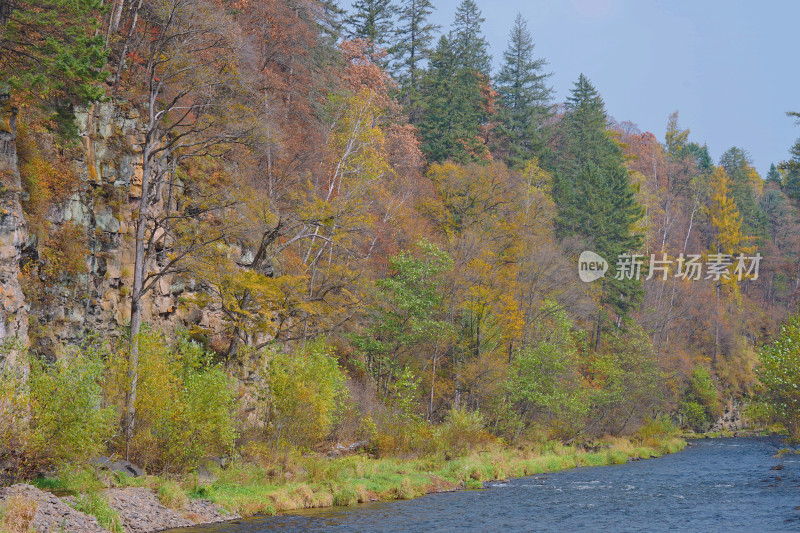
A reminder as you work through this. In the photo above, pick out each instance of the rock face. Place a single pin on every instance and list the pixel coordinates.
(52, 514)
(731, 419)
(102, 207)
(13, 233)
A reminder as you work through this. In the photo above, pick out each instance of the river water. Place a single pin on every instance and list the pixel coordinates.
(714, 485)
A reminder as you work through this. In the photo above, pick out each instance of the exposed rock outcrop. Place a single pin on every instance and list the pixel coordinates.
(731, 419)
(141, 512)
(51, 513)
(13, 233)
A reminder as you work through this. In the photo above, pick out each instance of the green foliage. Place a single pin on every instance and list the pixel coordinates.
(307, 393)
(371, 20)
(95, 504)
(628, 382)
(525, 96)
(55, 53)
(700, 402)
(746, 184)
(545, 383)
(457, 95)
(184, 405)
(780, 376)
(67, 423)
(411, 50)
(404, 323)
(461, 431)
(594, 195)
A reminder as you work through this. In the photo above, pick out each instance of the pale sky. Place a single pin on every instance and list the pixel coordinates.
(730, 67)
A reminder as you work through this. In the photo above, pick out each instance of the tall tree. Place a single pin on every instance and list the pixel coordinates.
(595, 198)
(472, 49)
(746, 188)
(522, 86)
(371, 20)
(458, 98)
(411, 51)
(456, 107)
(773, 176)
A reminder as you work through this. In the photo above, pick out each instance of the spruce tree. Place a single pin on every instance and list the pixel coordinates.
(371, 20)
(411, 51)
(525, 96)
(456, 92)
(453, 109)
(773, 176)
(744, 181)
(595, 199)
(472, 49)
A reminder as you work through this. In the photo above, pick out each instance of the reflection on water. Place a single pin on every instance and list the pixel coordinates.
(714, 485)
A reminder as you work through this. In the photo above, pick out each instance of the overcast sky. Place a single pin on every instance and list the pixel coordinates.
(730, 67)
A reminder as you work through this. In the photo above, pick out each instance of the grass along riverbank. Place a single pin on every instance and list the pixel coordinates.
(295, 482)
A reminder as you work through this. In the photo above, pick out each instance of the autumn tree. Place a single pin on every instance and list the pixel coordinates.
(746, 189)
(188, 76)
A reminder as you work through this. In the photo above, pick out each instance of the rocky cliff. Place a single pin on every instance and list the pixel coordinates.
(13, 234)
(101, 205)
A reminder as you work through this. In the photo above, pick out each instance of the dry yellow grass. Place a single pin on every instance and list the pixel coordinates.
(16, 515)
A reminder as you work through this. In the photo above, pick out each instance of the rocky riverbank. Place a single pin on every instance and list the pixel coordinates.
(27, 508)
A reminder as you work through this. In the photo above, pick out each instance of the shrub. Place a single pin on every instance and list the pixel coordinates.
(184, 404)
(461, 431)
(780, 376)
(53, 415)
(308, 392)
(67, 421)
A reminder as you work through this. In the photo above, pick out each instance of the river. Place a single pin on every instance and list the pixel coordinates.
(714, 485)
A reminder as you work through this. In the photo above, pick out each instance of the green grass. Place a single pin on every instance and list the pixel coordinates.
(297, 482)
(94, 503)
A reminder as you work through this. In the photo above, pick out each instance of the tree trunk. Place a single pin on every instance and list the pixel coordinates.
(136, 302)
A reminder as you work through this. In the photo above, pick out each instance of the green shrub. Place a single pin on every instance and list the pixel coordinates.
(308, 391)
(780, 376)
(694, 415)
(184, 404)
(461, 431)
(53, 416)
(67, 422)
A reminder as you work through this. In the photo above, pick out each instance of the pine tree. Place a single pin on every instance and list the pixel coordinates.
(472, 49)
(745, 183)
(595, 198)
(453, 110)
(371, 20)
(525, 95)
(773, 176)
(457, 96)
(411, 50)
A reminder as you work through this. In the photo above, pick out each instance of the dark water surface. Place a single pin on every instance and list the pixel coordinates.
(714, 485)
